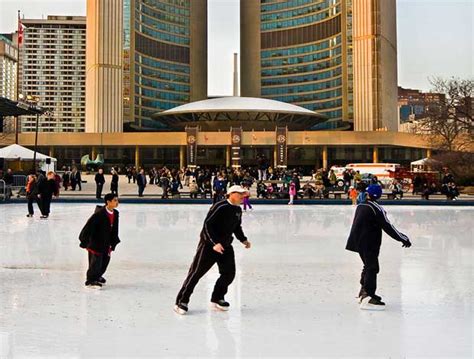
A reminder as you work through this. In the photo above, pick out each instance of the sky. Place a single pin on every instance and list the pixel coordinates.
(435, 37)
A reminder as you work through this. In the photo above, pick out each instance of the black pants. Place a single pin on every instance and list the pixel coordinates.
(368, 277)
(114, 189)
(45, 205)
(97, 266)
(140, 191)
(31, 200)
(98, 190)
(204, 259)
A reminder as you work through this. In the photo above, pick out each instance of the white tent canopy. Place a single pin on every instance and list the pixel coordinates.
(424, 163)
(20, 153)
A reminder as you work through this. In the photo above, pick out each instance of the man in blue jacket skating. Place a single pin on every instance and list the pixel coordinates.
(366, 238)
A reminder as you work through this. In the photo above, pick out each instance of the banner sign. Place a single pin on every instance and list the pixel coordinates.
(191, 144)
(281, 146)
(236, 141)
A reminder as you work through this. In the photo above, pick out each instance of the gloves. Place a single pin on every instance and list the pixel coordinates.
(406, 244)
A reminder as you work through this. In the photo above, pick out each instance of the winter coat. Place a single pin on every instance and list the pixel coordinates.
(98, 235)
(366, 232)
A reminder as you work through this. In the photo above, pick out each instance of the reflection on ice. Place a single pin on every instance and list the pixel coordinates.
(293, 294)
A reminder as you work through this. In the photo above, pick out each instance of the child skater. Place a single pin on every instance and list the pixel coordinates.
(365, 238)
(247, 198)
(100, 237)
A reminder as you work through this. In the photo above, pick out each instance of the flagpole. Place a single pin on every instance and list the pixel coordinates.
(17, 121)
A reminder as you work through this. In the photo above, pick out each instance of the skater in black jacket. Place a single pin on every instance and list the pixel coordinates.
(366, 238)
(100, 237)
(215, 246)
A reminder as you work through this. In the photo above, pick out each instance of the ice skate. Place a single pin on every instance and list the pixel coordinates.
(221, 304)
(93, 285)
(181, 308)
(102, 280)
(372, 303)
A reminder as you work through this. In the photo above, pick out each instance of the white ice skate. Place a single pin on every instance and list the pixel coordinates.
(221, 305)
(181, 308)
(369, 303)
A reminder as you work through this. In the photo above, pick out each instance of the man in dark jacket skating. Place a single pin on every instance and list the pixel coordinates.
(100, 237)
(366, 238)
(215, 246)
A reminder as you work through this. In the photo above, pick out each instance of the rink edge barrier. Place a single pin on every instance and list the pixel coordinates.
(344, 202)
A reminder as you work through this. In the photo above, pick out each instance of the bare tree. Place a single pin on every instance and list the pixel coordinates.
(449, 119)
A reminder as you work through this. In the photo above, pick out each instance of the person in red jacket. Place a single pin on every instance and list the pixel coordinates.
(100, 237)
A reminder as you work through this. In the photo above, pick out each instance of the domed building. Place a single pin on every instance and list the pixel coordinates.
(249, 113)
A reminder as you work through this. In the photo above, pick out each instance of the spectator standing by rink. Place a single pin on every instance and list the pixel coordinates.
(141, 182)
(292, 192)
(8, 178)
(100, 237)
(114, 182)
(366, 238)
(353, 195)
(46, 189)
(66, 178)
(246, 199)
(99, 183)
(215, 246)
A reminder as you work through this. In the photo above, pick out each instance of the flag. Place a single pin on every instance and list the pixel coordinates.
(20, 30)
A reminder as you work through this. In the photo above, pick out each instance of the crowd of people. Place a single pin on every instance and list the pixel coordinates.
(212, 182)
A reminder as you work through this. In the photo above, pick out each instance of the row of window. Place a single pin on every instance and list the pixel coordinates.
(159, 25)
(310, 96)
(161, 94)
(302, 88)
(298, 11)
(301, 49)
(157, 104)
(303, 78)
(166, 86)
(301, 21)
(172, 9)
(182, 20)
(162, 65)
(303, 59)
(159, 74)
(269, 5)
(330, 114)
(302, 69)
(158, 35)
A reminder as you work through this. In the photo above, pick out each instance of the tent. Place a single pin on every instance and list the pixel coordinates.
(424, 164)
(19, 153)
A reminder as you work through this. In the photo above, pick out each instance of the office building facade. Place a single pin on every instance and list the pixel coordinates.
(336, 57)
(52, 71)
(165, 57)
(8, 68)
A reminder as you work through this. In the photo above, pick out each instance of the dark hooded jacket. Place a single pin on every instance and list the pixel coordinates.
(98, 235)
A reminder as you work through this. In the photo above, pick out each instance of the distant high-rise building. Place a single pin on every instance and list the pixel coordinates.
(104, 76)
(336, 57)
(52, 70)
(8, 67)
(165, 57)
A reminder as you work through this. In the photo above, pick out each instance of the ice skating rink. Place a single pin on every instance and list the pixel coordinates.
(293, 296)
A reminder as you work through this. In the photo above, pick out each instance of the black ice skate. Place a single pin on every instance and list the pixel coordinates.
(372, 303)
(102, 280)
(221, 304)
(93, 285)
(181, 308)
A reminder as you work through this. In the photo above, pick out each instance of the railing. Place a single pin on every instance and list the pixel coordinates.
(19, 183)
(3, 190)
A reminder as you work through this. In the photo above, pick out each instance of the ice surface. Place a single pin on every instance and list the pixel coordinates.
(294, 293)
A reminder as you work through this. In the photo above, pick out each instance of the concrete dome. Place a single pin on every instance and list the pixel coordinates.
(246, 112)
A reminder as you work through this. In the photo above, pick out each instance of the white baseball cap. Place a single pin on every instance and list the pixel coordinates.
(236, 188)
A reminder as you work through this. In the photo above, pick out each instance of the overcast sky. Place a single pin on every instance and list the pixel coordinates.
(435, 37)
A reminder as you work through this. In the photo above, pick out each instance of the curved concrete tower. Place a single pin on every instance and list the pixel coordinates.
(104, 66)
